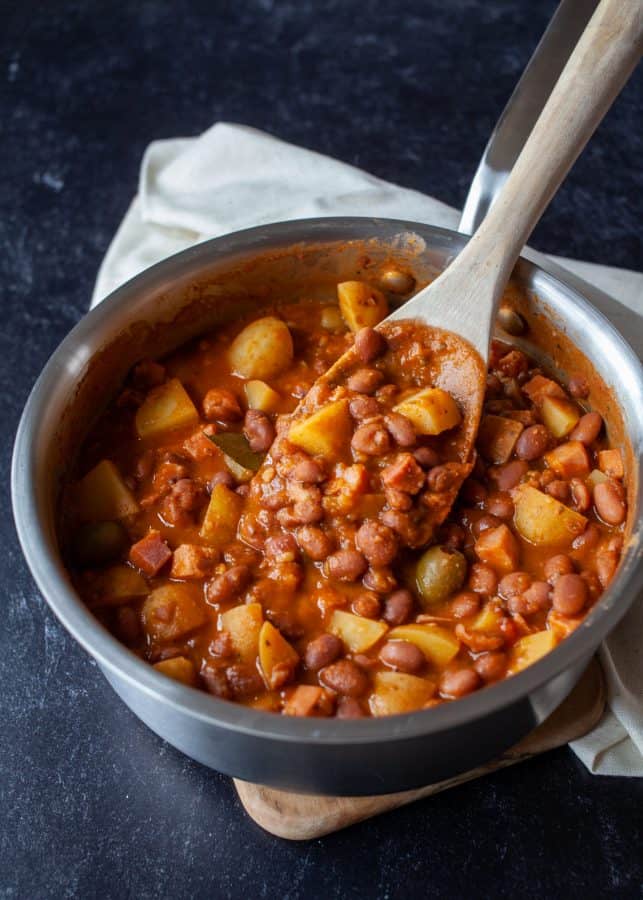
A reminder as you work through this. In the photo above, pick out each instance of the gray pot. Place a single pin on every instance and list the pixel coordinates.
(211, 282)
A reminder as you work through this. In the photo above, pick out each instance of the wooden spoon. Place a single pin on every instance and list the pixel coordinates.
(458, 309)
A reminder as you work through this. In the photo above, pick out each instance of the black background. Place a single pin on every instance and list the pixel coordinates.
(92, 804)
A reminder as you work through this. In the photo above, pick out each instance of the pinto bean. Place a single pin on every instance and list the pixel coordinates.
(484, 523)
(466, 603)
(281, 548)
(427, 457)
(558, 565)
(377, 542)
(367, 605)
(398, 607)
(371, 439)
(314, 542)
(578, 386)
(379, 579)
(532, 443)
(344, 677)
(453, 536)
(369, 344)
(483, 579)
(349, 708)
(244, 680)
(513, 584)
(491, 666)
(403, 656)
(364, 408)
(472, 491)
(223, 477)
(214, 678)
(508, 475)
(221, 406)
(227, 586)
(588, 539)
(259, 430)
(441, 478)
(570, 594)
(609, 500)
(581, 496)
(401, 523)
(587, 429)
(322, 651)
(346, 565)
(534, 599)
(558, 489)
(398, 499)
(500, 505)
(459, 682)
(307, 471)
(401, 429)
(365, 381)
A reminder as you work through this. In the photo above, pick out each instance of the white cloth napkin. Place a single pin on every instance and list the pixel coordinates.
(233, 177)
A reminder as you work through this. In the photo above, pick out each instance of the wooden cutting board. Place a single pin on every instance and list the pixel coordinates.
(301, 817)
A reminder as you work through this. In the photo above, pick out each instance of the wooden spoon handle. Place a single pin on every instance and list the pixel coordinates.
(598, 68)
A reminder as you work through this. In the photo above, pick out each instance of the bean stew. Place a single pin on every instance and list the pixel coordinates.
(312, 562)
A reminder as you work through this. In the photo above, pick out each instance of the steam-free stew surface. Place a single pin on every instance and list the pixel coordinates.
(303, 564)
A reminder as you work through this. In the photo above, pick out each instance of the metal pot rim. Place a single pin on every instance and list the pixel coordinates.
(37, 539)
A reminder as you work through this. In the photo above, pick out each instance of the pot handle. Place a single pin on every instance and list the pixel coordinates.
(525, 105)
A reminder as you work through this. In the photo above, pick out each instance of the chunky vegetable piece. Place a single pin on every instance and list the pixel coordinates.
(222, 516)
(325, 433)
(361, 305)
(306, 552)
(262, 350)
(165, 408)
(103, 495)
(431, 411)
(541, 519)
(396, 693)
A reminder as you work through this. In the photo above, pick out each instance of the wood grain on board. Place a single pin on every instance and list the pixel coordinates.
(299, 817)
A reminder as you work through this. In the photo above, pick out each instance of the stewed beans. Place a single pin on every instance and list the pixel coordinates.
(300, 562)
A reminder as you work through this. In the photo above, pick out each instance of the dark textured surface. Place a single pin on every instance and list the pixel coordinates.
(92, 804)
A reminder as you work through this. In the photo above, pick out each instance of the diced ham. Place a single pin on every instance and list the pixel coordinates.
(199, 446)
(498, 548)
(150, 554)
(610, 462)
(193, 561)
(539, 386)
(403, 474)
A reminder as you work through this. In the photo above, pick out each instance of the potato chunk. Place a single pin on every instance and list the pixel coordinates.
(261, 396)
(165, 408)
(438, 644)
(431, 411)
(497, 438)
(498, 548)
(116, 586)
(543, 520)
(396, 693)
(325, 433)
(361, 305)
(262, 350)
(102, 495)
(357, 633)
(222, 517)
(559, 415)
(529, 649)
(277, 658)
(243, 624)
(172, 611)
(179, 668)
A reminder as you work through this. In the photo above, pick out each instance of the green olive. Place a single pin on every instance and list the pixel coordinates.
(438, 574)
(98, 543)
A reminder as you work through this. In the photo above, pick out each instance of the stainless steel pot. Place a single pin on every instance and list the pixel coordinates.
(175, 300)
